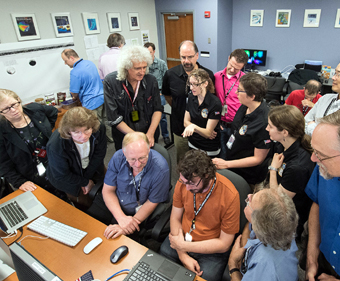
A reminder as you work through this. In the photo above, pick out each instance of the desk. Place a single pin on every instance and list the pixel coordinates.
(69, 263)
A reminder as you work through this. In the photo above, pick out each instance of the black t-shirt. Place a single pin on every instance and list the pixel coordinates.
(174, 85)
(199, 114)
(250, 132)
(294, 175)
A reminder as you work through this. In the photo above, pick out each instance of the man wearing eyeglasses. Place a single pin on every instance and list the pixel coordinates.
(204, 218)
(175, 91)
(323, 261)
(136, 181)
(326, 105)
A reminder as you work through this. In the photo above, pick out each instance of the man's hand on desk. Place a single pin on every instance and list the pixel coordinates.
(28, 186)
(128, 224)
(113, 231)
(87, 189)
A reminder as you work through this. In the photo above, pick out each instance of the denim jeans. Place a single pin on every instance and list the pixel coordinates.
(163, 122)
(212, 265)
(225, 135)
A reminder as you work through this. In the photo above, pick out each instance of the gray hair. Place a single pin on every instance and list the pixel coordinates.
(4, 93)
(276, 221)
(130, 55)
(134, 136)
(333, 120)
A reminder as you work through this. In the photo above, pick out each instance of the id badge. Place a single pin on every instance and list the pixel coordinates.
(134, 116)
(41, 169)
(188, 237)
(41, 152)
(224, 110)
(231, 141)
(138, 207)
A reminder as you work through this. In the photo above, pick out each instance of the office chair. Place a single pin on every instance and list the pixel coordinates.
(5, 187)
(275, 88)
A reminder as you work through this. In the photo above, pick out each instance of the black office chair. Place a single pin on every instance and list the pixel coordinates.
(275, 88)
(5, 187)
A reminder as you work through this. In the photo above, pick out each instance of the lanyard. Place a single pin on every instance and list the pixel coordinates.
(136, 93)
(200, 208)
(329, 106)
(232, 86)
(137, 187)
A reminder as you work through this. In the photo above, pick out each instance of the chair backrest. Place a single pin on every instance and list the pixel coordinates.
(165, 153)
(292, 86)
(243, 189)
(275, 88)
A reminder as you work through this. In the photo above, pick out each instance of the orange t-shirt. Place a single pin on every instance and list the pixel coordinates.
(220, 212)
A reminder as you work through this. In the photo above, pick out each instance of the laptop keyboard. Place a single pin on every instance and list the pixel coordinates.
(13, 213)
(144, 272)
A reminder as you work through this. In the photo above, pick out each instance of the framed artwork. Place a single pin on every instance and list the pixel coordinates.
(62, 24)
(312, 18)
(114, 22)
(134, 21)
(91, 23)
(283, 18)
(337, 19)
(25, 26)
(256, 17)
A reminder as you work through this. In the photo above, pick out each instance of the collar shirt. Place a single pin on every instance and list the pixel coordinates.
(326, 193)
(158, 69)
(296, 97)
(222, 89)
(107, 62)
(175, 85)
(250, 132)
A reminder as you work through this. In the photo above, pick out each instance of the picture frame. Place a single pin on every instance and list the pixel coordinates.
(337, 19)
(26, 27)
(256, 17)
(91, 23)
(62, 24)
(283, 18)
(115, 24)
(312, 18)
(133, 21)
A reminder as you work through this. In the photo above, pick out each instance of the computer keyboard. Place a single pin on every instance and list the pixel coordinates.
(58, 231)
(143, 272)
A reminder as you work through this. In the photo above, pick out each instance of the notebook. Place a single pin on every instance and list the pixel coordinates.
(19, 211)
(153, 266)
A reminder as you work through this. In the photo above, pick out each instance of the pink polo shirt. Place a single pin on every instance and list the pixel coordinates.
(231, 101)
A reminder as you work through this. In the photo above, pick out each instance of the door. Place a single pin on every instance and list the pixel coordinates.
(178, 27)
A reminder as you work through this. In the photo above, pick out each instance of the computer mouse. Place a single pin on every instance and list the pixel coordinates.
(92, 244)
(118, 254)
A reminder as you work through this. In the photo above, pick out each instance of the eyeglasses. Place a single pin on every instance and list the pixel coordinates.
(142, 160)
(7, 109)
(191, 184)
(336, 75)
(325, 158)
(248, 200)
(194, 85)
(187, 57)
(238, 91)
(86, 132)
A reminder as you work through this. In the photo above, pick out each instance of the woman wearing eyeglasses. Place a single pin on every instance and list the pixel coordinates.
(249, 144)
(76, 154)
(202, 114)
(24, 132)
(291, 166)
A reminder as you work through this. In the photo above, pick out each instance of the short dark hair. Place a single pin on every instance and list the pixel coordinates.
(70, 53)
(254, 84)
(240, 55)
(149, 44)
(188, 41)
(115, 40)
(313, 87)
(196, 163)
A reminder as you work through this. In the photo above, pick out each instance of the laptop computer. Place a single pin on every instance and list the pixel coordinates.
(19, 211)
(153, 266)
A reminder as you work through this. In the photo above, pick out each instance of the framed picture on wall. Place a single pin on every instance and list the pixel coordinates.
(62, 24)
(114, 22)
(25, 26)
(283, 18)
(337, 19)
(312, 18)
(91, 23)
(256, 17)
(134, 21)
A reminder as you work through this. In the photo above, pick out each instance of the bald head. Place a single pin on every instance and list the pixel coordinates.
(188, 52)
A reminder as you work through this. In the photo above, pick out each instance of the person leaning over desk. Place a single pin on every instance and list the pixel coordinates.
(24, 132)
(76, 153)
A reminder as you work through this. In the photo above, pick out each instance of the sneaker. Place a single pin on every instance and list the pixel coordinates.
(167, 141)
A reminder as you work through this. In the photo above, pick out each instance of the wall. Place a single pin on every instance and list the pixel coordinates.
(288, 46)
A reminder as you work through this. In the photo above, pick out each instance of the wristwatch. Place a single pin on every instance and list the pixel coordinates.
(233, 270)
(272, 168)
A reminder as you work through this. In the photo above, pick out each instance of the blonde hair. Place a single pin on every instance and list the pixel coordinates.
(134, 136)
(4, 93)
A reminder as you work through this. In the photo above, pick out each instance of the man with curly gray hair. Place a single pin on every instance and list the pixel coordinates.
(269, 253)
(131, 96)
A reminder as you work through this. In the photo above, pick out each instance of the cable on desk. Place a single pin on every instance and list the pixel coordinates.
(33, 236)
(123, 270)
(10, 235)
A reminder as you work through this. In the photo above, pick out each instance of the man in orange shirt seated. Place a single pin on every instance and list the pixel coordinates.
(306, 98)
(204, 219)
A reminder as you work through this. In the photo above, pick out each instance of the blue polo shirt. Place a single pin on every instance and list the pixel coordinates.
(85, 81)
(326, 193)
(154, 182)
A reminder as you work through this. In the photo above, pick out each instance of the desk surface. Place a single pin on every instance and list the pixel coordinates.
(69, 263)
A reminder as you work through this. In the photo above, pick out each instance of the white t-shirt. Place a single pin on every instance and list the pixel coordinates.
(84, 152)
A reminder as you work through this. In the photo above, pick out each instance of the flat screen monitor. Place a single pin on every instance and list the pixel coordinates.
(256, 57)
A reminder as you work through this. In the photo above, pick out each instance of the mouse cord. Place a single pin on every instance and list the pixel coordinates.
(124, 270)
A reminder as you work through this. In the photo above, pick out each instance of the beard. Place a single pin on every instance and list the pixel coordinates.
(323, 172)
(188, 66)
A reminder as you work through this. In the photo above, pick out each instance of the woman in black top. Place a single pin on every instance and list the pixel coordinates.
(202, 114)
(291, 166)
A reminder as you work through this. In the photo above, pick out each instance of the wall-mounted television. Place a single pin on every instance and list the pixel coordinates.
(256, 57)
